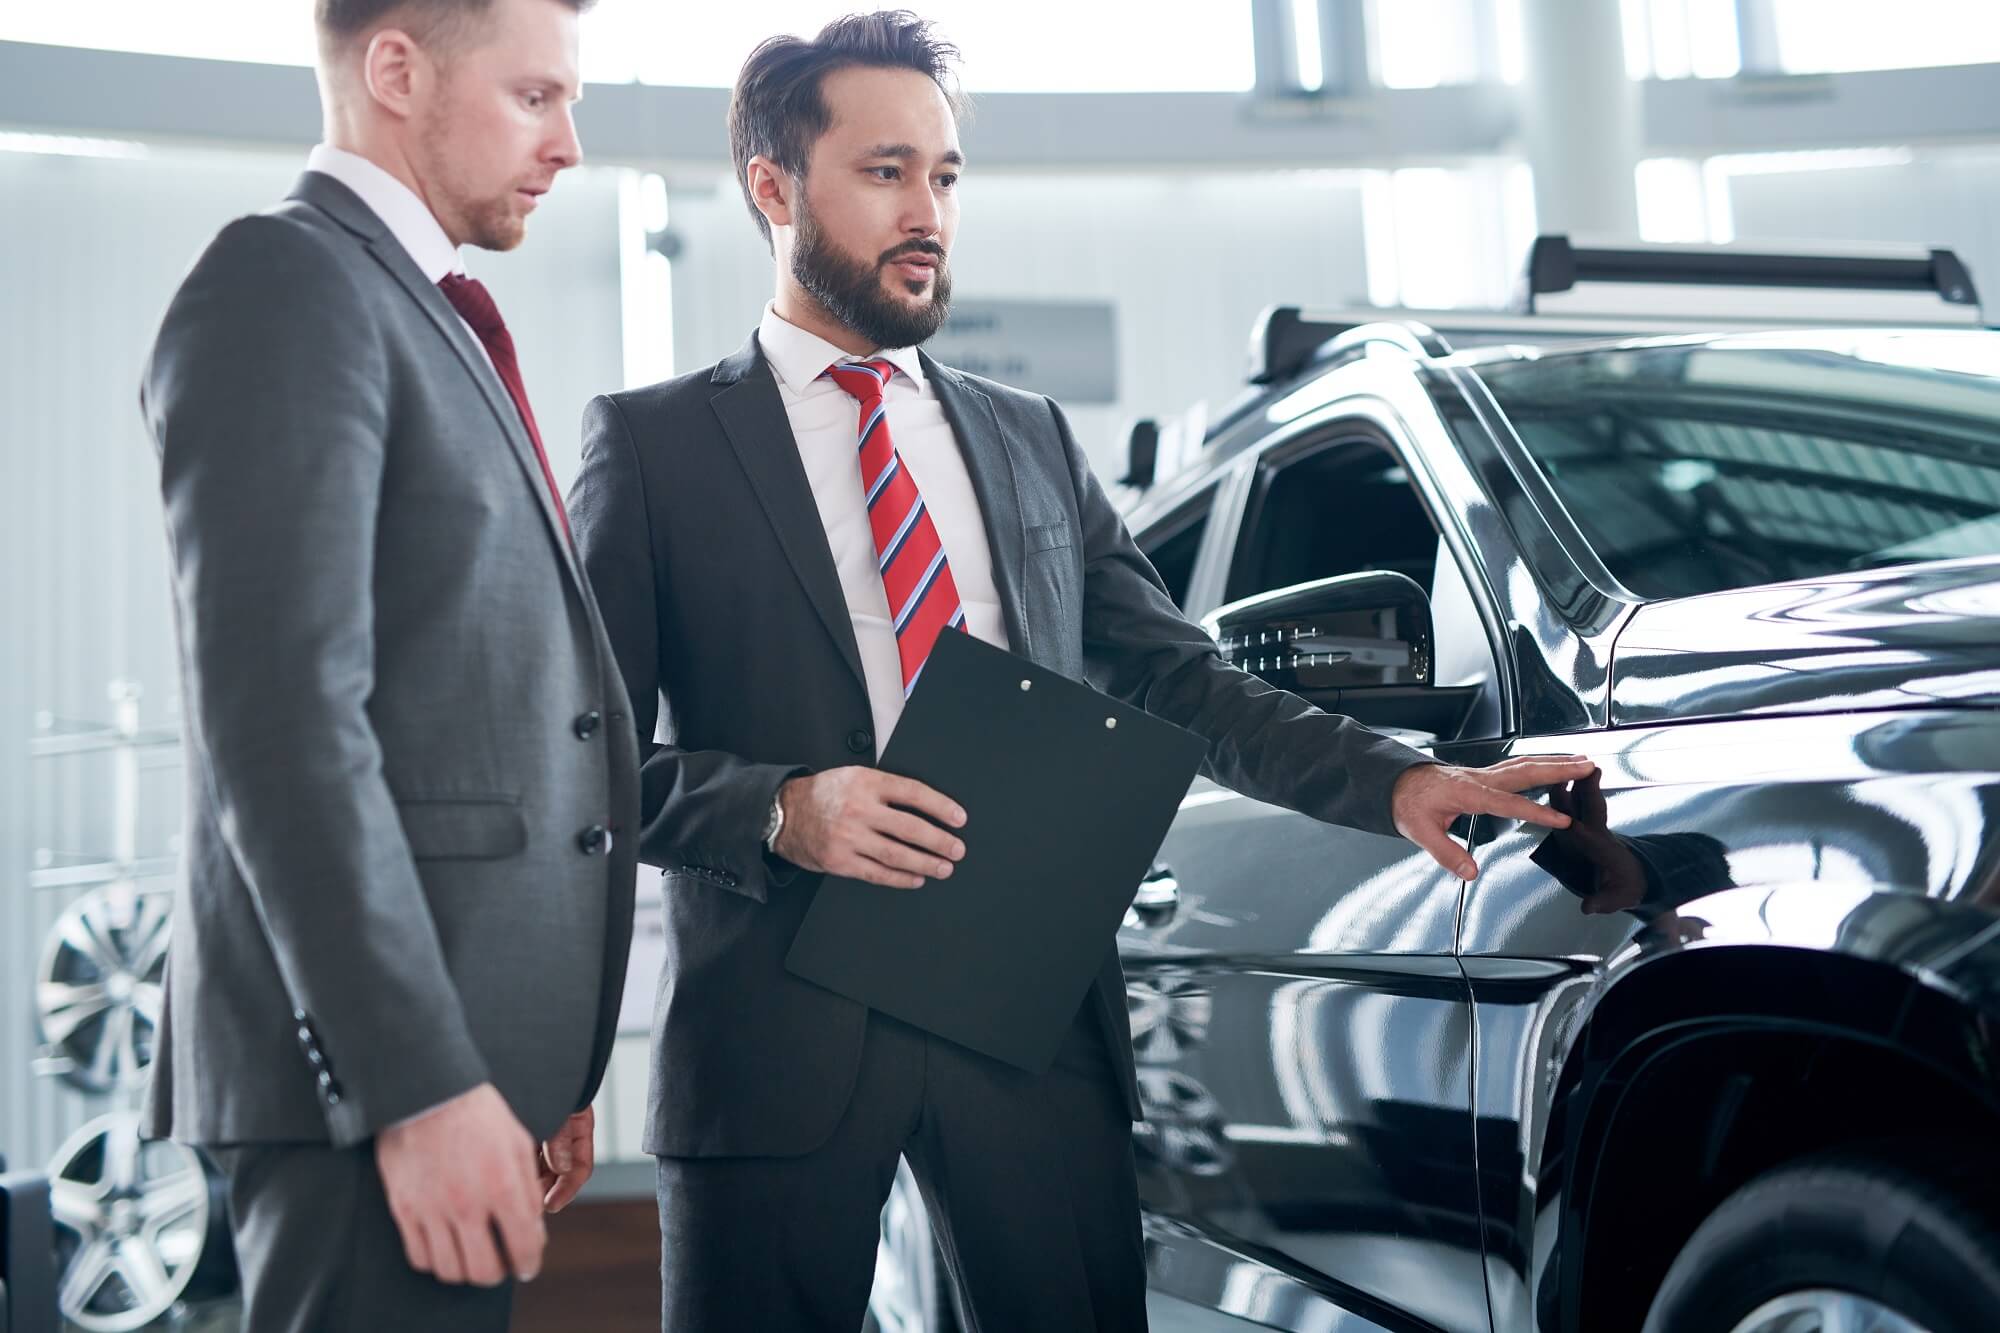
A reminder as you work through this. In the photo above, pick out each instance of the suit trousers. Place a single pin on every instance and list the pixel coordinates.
(1028, 1180)
(319, 1252)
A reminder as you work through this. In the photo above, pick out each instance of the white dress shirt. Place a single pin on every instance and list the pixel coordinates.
(408, 218)
(825, 423)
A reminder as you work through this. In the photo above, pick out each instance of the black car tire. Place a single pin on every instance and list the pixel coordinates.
(1900, 1230)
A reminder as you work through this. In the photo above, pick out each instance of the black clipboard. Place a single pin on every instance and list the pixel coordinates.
(1068, 795)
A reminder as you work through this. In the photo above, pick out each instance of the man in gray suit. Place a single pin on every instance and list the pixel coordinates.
(782, 601)
(398, 955)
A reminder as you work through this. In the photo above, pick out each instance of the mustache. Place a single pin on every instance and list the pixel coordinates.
(931, 248)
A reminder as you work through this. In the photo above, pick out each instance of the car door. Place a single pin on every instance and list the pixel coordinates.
(1301, 1027)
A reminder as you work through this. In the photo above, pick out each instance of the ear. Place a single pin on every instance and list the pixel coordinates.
(395, 70)
(770, 190)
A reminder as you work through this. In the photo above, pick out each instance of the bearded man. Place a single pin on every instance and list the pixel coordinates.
(778, 541)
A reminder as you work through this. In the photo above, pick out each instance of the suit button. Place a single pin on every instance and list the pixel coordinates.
(587, 725)
(860, 741)
(591, 841)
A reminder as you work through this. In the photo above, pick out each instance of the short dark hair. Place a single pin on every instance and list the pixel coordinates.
(440, 23)
(777, 110)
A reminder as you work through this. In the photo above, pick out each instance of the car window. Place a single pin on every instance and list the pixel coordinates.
(1342, 509)
(1695, 467)
(1173, 543)
(1348, 507)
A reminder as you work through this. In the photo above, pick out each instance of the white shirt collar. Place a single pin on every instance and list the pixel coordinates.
(408, 218)
(798, 357)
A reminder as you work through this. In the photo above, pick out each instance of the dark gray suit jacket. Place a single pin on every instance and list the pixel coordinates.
(403, 713)
(702, 537)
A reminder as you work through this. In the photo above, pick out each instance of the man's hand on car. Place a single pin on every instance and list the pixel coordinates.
(1429, 797)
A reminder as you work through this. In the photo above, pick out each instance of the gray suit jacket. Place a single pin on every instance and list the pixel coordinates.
(701, 535)
(403, 713)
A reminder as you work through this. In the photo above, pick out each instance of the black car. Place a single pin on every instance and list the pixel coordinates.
(1723, 1056)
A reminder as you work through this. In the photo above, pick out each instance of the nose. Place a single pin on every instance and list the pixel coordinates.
(925, 217)
(564, 150)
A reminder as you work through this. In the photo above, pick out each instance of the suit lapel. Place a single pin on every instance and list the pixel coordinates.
(335, 199)
(990, 463)
(753, 419)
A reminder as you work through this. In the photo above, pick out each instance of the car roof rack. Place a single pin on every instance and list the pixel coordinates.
(1659, 290)
(1875, 284)
(1142, 454)
(1285, 340)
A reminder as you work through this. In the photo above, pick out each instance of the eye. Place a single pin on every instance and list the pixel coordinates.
(886, 173)
(534, 101)
(949, 180)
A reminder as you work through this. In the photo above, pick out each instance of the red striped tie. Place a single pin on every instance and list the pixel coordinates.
(923, 600)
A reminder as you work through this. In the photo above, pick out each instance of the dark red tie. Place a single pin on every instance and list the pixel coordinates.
(923, 599)
(474, 304)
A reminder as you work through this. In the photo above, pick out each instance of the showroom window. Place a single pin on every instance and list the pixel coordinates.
(1430, 43)
(1832, 36)
(1680, 39)
(1716, 39)
(1185, 45)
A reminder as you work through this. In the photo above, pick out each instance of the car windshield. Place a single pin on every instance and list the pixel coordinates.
(1694, 466)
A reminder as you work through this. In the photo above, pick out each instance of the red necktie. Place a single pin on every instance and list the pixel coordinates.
(474, 304)
(923, 600)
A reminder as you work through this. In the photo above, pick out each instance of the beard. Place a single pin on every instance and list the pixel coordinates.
(491, 223)
(852, 290)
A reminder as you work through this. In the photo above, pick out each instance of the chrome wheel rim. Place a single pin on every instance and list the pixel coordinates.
(99, 988)
(1825, 1310)
(131, 1220)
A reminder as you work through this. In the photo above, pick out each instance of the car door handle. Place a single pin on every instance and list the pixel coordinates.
(1158, 898)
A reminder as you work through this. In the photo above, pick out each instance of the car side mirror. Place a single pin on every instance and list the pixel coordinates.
(1358, 644)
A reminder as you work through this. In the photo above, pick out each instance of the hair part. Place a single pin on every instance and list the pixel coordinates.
(778, 109)
(440, 26)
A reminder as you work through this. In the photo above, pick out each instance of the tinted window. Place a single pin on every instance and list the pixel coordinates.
(1342, 510)
(1697, 467)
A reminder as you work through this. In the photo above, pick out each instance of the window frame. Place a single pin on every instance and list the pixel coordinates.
(1349, 424)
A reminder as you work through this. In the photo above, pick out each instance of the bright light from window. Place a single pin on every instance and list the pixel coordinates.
(1512, 40)
(261, 31)
(1306, 45)
(65, 145)
(1026, 46)
(646, 280)
(1679, 39)
(1426, 43)
(1672, 200)
(1830, 36)
(1441, 238)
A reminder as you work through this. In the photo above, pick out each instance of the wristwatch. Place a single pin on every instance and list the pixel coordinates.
(774, 824)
